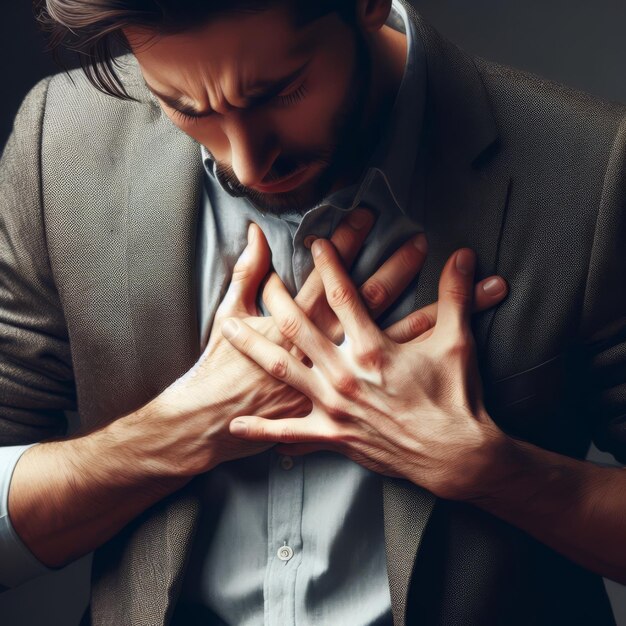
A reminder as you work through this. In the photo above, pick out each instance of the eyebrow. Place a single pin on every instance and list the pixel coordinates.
(258, 93)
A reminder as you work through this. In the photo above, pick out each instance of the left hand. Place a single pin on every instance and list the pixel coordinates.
(412, 410)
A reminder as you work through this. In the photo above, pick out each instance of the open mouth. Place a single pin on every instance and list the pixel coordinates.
(281, 185)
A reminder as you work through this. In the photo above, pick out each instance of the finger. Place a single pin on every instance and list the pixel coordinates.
(287, 430)
(348, 238)
(251, 267)
(299, 329)
(274, 359)
(456, 294)
(393, 276)
(487, 293)
(344, 299)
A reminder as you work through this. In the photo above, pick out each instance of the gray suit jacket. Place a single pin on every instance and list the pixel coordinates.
(98, 314)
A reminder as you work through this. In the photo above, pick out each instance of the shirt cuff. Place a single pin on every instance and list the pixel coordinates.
(17, 563)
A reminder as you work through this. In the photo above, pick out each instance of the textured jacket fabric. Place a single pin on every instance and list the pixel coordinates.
(98, 314)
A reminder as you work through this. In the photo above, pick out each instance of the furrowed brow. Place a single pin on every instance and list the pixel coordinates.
(257, 94)
(264, 90)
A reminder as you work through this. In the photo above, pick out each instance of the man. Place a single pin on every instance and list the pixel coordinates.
(480, 527)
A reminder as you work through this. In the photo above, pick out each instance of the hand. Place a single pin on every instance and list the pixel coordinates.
(224, 383)
(411, 410)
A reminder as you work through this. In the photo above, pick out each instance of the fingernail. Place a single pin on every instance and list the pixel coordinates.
(420, 243)
(308, 240)
(239, 428)
(359, 218)
(465, 261)
(493, 286)
(230, 328)
(316, 248)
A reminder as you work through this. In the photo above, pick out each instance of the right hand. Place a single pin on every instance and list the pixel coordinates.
(198, 407)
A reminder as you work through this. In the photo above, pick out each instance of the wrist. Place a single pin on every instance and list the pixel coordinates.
(485, 467)
(508, 466)
(145, 440)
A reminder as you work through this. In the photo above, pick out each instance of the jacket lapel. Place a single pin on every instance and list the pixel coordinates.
(137, 578)
(466, 193)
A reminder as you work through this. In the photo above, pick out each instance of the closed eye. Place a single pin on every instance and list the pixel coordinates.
(294, 96)
(287, 99)
(187, 117)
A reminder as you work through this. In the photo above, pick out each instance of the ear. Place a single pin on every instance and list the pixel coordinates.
(372, 14)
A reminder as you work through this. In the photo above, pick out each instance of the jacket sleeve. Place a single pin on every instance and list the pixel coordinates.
(36, 378)
(603, 320)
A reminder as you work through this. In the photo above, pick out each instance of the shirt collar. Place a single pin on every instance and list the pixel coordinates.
(393, 159)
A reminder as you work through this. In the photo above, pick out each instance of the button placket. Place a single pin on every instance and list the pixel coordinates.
(284, 541)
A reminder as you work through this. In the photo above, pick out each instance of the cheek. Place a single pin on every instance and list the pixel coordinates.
(207, 133)
(313, 120)
(309, 122)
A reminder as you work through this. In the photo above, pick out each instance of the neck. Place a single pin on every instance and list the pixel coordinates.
(388, 51)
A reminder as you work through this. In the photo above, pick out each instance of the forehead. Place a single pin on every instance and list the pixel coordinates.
(246, 47)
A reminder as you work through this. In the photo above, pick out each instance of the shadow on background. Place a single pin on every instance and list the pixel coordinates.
(577, 42)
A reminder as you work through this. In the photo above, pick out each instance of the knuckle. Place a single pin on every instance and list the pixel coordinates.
(419, 323)
(339, 295)
(372, 357)
(374, 293)
(279, 368)
(289, 326)
(458, 296)
(347, 384)
(409, 256)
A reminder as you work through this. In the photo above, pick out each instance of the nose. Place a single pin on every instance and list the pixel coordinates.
(253, 148)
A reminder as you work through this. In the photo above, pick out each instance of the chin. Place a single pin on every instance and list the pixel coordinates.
(299, 200)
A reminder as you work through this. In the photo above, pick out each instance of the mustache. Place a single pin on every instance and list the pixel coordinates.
(282, 167)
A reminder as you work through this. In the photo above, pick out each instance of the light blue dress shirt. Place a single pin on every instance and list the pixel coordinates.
(286, 540)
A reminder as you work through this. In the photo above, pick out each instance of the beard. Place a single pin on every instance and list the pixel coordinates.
(345, 153)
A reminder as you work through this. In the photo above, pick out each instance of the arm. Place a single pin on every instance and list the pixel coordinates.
(415, 411)
(68, 496)
(577, 507)
(36, 383)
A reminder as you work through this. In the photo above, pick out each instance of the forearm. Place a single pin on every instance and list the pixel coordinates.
(68, 497)
(575, 507)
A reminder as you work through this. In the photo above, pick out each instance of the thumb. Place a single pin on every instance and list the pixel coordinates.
(250, 269)
(456, 293)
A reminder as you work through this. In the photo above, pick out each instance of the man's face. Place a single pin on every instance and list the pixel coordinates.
(278, 107)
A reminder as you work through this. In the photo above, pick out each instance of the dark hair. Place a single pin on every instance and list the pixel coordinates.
(93, 28)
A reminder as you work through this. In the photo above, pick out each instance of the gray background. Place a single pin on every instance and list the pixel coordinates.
(577, 42)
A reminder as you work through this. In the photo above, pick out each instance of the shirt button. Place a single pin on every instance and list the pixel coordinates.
(285, 553)
(286, 462)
